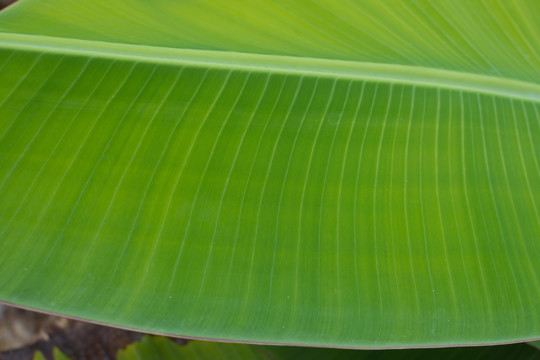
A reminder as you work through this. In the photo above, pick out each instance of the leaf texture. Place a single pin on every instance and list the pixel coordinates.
(320, 173)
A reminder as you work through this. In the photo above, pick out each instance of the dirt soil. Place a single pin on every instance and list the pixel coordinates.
(4, 3)
(19, 328)
(24, 332)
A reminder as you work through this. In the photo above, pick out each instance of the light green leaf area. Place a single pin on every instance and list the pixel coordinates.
(498, 38)
(160, 348)
(321, 173)
(58, 355)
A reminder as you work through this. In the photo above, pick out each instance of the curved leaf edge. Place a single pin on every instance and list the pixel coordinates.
(531, 341)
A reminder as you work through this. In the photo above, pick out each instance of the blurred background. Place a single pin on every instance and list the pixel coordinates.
(4, 3)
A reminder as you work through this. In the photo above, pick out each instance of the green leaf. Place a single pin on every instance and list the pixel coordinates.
(58, 355)
(161, 348)
(314, 172)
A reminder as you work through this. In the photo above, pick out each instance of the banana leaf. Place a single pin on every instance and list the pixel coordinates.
(318, 172)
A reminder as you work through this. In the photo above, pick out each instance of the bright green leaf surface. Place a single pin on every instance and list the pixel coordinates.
(275, 193)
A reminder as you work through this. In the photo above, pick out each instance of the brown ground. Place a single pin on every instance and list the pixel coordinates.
(22, 332)
(4, 3)
(19, 328)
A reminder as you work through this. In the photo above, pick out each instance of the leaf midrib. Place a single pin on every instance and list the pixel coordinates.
(300, 66)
